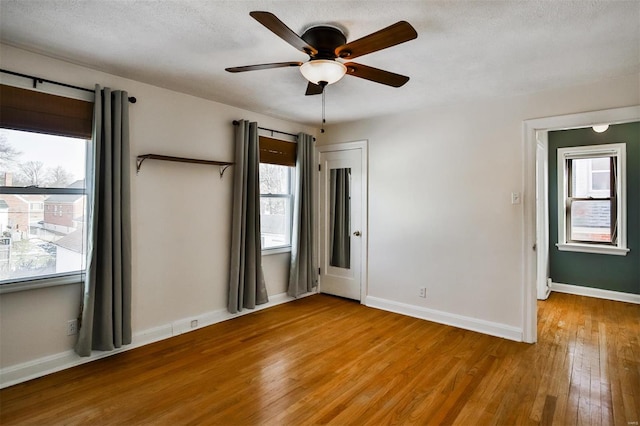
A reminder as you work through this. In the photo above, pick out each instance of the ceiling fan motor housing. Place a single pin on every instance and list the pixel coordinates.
(325, 39)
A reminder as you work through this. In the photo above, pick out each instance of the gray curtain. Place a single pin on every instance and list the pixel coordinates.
(303, 272)
(246, 281)
(106, 309)
(339, 205)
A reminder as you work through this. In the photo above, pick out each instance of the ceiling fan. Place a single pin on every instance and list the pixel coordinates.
(325, 45)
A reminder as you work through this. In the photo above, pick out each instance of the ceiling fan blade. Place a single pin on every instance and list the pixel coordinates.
(376, 75)
(278, 27)
(397, 33)
(314, 89)
(264, 66)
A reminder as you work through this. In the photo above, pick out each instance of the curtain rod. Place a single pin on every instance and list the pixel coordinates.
(37, 80)
(236, 122)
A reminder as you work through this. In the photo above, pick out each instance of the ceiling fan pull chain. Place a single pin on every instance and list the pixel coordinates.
(323, 119)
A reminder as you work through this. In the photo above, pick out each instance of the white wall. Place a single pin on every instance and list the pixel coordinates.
(68, 260)
(4, 219)
(181, 215)
(440, 212)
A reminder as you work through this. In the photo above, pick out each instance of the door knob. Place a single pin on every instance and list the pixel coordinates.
(357, 233)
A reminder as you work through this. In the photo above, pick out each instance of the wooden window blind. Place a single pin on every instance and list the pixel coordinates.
(28, 110)
(276, 151)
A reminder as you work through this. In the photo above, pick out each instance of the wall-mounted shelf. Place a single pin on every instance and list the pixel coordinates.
(140, 159)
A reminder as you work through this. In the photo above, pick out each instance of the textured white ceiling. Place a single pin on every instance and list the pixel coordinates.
(465, 50)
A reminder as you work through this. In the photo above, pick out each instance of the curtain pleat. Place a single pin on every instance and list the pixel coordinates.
(246, 281)
(303, 273)
(106, 309)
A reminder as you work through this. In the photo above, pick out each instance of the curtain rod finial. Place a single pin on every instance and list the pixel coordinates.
(132, 99)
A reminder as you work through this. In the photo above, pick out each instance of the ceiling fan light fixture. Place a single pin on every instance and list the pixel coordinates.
(326, 70)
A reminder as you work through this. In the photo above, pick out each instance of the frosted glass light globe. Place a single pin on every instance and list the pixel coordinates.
(327, 70)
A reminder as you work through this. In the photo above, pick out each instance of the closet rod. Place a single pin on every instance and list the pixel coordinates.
(37, 80)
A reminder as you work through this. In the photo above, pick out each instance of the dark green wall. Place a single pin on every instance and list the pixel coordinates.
(609, 272)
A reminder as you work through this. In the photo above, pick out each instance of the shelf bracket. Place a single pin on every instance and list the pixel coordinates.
(139, 161)
(223, 169)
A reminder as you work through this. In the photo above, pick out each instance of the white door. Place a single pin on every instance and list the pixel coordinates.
(342, 221)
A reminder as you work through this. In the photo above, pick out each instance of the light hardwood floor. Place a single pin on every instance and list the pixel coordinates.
(327, 360)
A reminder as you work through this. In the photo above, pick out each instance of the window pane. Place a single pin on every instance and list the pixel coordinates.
(275, 205)
(28, 159)
(274, 179)
(601, 163)
(275, 221)
(590, 177)
(41, 234)
(580, 177)
(600, 181)
(34, 242)
(591, 221)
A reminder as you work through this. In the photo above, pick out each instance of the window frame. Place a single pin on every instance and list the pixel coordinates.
(618, 151)
(57, 114)
(289, 195)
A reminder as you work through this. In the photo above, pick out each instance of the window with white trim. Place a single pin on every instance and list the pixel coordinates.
(43, 171)
(592, 199)
(277, 168)
(275, 206)
(45, 144)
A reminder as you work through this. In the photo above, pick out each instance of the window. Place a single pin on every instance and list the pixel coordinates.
(592, 213)
(275, 206)
(42, 170)
(277, 159)
(44, 146)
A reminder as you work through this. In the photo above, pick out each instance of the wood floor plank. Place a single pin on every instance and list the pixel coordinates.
(548, 410)
(326, 360)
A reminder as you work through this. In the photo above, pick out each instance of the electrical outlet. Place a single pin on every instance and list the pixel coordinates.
(194, 323)
(72, 327)
(423, 292)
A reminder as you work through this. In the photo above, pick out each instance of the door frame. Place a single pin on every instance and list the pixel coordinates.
(534, 132)
(363, 146)
(542, 216)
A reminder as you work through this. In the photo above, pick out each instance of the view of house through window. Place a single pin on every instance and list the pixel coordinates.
(42, 205)
(275, 205)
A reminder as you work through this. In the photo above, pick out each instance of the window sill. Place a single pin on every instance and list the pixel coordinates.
(276, 250)
(16, 286)
(596, 249)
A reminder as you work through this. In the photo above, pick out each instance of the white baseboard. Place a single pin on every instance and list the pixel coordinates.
(467, 323)
(595, 292)
(33, 369)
